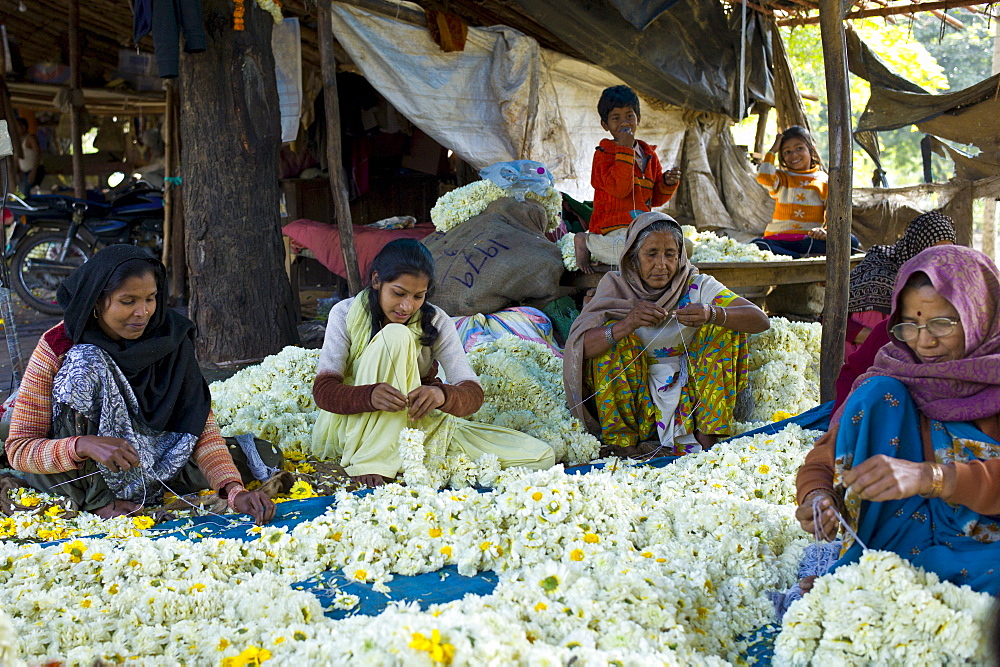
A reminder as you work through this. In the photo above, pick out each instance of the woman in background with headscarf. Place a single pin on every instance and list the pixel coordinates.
(113, 408)
(871, 281)
(912, 460)
(661, 348)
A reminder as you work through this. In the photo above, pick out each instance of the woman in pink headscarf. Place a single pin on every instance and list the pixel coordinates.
(912, 459)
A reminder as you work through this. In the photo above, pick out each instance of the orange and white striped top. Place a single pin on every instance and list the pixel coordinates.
(800, 198)
(31, 449)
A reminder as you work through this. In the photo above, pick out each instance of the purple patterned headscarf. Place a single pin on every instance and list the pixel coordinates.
(962, 389)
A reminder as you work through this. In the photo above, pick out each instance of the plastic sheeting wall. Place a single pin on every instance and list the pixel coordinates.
(506, 98)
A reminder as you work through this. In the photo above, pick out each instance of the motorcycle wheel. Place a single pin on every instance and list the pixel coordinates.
(37, 285)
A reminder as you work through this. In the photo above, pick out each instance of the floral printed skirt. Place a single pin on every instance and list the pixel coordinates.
(701, 395)
(956, 543)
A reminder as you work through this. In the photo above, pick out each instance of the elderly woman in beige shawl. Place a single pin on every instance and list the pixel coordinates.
(657, 359)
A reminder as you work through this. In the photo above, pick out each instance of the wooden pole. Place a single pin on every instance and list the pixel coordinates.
(758, 142)
(168, 169)
(76, 99)
(838, 202)
(178, 254)
(334, 160)
(990, 209)
(894, 10)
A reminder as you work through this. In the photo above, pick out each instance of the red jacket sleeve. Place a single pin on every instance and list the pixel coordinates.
(614, 170)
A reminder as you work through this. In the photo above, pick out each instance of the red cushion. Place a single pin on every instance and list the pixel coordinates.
(324, 242)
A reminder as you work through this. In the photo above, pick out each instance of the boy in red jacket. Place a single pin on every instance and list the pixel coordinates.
(626, 176)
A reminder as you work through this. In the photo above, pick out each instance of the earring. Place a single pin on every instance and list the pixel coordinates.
(97, 315)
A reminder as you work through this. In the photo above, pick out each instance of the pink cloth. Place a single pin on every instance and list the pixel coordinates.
(861, 359)
(962, 389)
(855, 323)
(324, 241)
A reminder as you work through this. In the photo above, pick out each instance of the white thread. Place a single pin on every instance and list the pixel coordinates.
(819, 531)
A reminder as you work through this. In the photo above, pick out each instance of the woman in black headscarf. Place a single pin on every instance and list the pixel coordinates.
(872, 280)
(113, 409)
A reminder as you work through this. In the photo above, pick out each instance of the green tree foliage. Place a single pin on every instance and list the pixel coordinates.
(917, 51)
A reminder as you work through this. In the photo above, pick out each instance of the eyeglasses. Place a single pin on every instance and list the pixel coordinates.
(936, 326)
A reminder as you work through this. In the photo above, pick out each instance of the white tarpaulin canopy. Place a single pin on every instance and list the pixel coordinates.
(505, 98)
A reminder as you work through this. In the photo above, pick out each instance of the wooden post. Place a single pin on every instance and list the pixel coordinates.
(334, 160)
(990, 209)
(76, 99)
(960, 211)
(838, 202)
(168, 169)
(763, 111)
(178, 261)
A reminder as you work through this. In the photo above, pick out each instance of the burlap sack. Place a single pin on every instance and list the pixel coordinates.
(497, 259)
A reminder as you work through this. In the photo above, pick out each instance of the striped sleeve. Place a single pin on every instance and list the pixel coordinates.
(211, 454)
(29, 445)
(769, 176)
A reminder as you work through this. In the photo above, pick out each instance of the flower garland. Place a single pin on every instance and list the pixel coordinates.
(455, 207)
(710, 247)
(567, 247)
(273, 400)
(784, 368)
(272, 7)
(522, 382)
(882, 610)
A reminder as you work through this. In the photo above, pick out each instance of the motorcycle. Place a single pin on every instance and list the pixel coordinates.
(51, 235)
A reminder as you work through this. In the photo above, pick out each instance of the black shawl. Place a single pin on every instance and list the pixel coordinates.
(160, 365)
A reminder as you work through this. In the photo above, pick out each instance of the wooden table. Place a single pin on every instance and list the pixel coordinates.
(747, 274)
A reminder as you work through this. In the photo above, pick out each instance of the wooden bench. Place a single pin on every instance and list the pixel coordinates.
(745, 274)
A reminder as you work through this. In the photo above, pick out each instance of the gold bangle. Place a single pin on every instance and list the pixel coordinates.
(937, 481)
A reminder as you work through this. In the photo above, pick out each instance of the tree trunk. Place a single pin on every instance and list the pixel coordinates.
(230, 138)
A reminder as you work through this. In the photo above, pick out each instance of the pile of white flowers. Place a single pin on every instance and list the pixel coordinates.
(272, 400)
(883, 611)
(629, 564)
(784, 368)
(455, 207)
(710, 247)
(568, 250)
(49, 517)
(615, 564)
(522, 381)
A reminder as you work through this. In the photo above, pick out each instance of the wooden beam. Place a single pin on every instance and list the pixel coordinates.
(950, 20)
(755, 7)
(334, 159)
(178, 256)
(887, 11)
(758, 141)
(76, 100)
(838, 202)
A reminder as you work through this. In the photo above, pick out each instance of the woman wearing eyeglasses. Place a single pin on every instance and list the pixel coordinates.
(912, 458)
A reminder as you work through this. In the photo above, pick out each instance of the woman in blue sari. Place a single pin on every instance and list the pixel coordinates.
(912, 459)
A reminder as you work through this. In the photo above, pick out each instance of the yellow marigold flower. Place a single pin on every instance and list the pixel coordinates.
(249, 657)
(86, 603)
(97, 556)
(29, 501)
(54, 511)
(306, 468)
(143, 522)
(591, 538)
(646, 554)
(199, 587)
(223, 644)
(300, 490)
(75, 550)
(446, 551)
(541, 606)
(439, 652)
(434, 532)
(576, 554)
(361, 575)
(781, 415)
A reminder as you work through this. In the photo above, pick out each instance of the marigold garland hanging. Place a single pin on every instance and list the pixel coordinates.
(239, 11)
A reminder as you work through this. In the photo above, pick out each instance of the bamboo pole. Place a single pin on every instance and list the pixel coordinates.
(334, 160)
(168, 170)
(989, 242)
(75, 98)
(887, 11)
(838, 202)
(178, 256)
